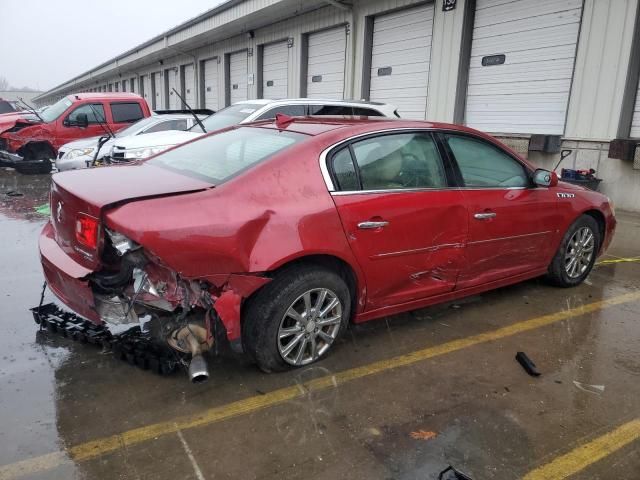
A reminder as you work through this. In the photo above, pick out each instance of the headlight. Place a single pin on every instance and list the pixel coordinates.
(78, 152)
(136, 153)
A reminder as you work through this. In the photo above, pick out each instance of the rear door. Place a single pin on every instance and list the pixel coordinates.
(511, 222)
(404, 222)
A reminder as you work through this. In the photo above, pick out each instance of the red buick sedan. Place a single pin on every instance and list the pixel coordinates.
(281, 233)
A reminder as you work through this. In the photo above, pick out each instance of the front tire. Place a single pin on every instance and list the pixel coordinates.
(295, 319)
(577, 253)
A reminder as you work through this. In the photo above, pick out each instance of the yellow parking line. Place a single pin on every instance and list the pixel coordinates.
(619, 260)
(585, 455)
(101, 446)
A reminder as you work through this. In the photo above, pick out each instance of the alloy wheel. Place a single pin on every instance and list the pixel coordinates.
(309, 326)
(579, 252)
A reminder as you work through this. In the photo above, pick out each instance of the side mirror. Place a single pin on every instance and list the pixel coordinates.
(82, 120)
(545, 178)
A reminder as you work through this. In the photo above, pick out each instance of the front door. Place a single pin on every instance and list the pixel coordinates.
(511, 222)
(406, 227)
(70, 130)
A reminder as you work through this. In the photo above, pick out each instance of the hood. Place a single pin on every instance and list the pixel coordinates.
(168, 138)
(82, 143)
(100, 187)
(17, 120)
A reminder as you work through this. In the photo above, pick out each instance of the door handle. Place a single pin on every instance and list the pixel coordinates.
(372, 225)
(484, 216)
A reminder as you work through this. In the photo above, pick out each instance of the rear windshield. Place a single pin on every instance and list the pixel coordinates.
(227, 117)
(217, 158)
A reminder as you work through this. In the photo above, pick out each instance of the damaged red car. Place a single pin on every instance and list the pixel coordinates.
(281, 233)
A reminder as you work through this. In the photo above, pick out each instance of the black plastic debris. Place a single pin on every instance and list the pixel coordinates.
(527, 364)
(450, 473)
(13, 193)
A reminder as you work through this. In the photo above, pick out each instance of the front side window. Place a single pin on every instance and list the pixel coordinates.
(398, 161)
(126, 112)
(217, 158)
(485, 166)
(291, 110)
(94, 113)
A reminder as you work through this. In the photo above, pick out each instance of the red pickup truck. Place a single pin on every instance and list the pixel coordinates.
(29, 145)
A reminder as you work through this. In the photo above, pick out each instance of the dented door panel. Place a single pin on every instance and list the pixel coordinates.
(420, 250)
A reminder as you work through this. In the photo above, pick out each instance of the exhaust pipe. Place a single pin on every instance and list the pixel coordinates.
(193, 339)
(198, 369)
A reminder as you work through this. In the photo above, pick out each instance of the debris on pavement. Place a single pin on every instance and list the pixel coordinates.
(527, 364)
(450, 473)
(43, 210)
(423, 435)
(595, 389)
(13, 193)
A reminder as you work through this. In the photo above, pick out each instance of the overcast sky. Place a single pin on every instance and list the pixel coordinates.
(46, 42)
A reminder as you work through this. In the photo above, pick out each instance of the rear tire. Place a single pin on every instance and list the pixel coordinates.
(577, 253)
(283, 323)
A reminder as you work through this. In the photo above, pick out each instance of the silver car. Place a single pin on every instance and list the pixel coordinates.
(80, 153)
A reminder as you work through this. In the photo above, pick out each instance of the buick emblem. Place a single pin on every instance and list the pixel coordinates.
(59, 212)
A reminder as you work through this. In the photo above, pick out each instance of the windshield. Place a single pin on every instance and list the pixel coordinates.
(217, 158)
(55, 110)
(227, 117)
(135, 127)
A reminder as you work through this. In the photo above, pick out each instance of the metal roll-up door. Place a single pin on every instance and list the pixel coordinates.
(635, 121)
(521, 66)
(210, 83)
(238, 71)
(172, 101)
(189, 87)
(400, 60)
(326, 63)
(157, 91)
(145, 82)
(275, 70)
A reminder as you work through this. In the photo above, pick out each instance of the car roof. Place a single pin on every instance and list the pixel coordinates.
(316, 125)
(331, 101)
(171, 116)
(104, 96)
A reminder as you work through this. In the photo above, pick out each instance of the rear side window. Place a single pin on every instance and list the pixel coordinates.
(291, 110)
(177, 124)
(485, 166)
(345, 171)
(366, 112)
(330, 110)
(126, 112)
(217, 158)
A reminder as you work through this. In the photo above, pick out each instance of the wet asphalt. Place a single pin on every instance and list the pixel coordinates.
(474, 408)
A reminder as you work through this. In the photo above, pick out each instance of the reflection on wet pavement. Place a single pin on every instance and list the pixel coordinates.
(487, 416)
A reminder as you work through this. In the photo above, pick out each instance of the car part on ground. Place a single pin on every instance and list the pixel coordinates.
(301, 225)
(30, 145)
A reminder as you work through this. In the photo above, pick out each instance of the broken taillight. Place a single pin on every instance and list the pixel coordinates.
(87, 228)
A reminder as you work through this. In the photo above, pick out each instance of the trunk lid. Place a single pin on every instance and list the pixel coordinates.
(80, 193)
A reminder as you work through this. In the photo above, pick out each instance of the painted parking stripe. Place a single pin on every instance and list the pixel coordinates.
(619, 260)
(587, 454)
(95, 448)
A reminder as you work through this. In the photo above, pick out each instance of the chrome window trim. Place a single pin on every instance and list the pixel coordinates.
(324, 169)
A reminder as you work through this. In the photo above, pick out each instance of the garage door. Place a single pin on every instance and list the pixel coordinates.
(325, 67)
(522, 58)
(275, 70)
(210, 83)
(171, 99)
(400, 57)
(238, 76)
(157, 91)
(146, 89)
(189, 88)
(635, 122)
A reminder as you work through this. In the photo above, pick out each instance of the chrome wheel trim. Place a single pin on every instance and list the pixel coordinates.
(309, 326)
(579, 252)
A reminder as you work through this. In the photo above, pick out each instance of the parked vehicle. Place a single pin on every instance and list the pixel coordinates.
(81, 153)
(281, 233)
(30, 146)
(245, 112)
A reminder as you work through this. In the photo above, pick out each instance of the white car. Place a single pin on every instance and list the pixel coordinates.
(80, 153)
(134, 148)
